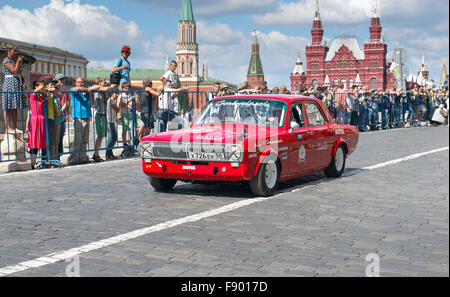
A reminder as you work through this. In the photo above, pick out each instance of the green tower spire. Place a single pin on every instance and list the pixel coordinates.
(255, 68)
(186, 11)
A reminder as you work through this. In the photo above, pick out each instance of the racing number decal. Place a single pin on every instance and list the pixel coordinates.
(302, 154)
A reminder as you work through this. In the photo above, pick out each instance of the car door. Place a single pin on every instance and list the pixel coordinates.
(299, 152)
(320, 135)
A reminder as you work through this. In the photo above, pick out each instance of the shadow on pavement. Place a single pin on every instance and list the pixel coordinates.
(241, 190)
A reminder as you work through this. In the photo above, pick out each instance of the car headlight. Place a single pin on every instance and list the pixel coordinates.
(234, 152)
(145, 150)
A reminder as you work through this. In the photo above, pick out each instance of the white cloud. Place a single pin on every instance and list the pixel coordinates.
(63, 24)
(92, 31)
(443, 26)
(217, 33)
(334, 11)
(434, 43)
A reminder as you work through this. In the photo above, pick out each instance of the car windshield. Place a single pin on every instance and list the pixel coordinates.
(258, 112)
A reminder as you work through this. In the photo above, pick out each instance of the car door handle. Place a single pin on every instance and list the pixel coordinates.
(301, 136)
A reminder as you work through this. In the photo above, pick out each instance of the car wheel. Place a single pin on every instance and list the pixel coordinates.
(266, 181)
(337, 165)
(161, 184)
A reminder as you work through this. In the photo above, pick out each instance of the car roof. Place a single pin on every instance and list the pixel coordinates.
(277, 97)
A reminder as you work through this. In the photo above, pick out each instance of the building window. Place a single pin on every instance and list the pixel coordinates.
(344, 82)
(336, 81)
(351, 82)
(329, 66)
(373, 83)
(351, 64)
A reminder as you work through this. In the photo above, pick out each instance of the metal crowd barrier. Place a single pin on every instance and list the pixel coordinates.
(377, 112)
(81, 133)
(170, 111)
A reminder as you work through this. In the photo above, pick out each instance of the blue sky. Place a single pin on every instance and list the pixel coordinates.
(97, 30)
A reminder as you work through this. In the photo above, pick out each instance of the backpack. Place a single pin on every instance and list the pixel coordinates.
(114, 77)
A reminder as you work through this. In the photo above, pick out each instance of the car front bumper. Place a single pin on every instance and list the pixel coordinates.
(197, 171)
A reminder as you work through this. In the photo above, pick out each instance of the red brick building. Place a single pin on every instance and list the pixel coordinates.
(345, 62)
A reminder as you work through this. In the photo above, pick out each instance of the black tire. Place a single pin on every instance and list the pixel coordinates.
(332, 170)
(258, 184)
(161, 184)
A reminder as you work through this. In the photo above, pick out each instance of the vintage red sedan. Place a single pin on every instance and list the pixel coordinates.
(260, 139)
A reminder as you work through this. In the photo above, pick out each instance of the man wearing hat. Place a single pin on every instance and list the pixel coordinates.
(123, 66)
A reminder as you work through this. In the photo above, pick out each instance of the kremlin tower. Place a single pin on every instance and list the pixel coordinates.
(255, 74)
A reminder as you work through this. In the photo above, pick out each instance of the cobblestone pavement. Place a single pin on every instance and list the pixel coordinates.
(316, 227)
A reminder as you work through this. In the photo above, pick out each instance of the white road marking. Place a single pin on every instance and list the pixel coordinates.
(411, 157)
(61, 256)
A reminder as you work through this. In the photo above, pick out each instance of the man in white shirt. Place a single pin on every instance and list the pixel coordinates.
(168, 105)
(171, 75)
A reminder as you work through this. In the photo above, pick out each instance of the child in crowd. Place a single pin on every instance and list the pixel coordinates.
(126, 113)
(58, 116)
(112, 109)
(101, 122)
(36, 123)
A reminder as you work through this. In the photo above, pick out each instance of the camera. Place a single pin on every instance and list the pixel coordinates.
(26, 60)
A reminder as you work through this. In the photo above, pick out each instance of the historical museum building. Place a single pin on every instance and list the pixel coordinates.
(345, 62)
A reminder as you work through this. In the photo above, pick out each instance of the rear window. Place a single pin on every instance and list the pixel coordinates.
(315, 115)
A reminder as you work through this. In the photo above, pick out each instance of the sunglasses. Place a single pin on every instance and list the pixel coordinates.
(126, 52)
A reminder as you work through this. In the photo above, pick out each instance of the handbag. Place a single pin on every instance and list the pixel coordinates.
(114, 77)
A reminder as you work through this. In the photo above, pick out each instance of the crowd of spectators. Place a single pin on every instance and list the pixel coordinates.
(369, 109)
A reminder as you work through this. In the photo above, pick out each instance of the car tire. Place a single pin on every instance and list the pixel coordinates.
(337, 165)
(266, 181)
(161, 184)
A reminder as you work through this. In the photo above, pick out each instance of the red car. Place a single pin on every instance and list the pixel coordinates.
(261, 139)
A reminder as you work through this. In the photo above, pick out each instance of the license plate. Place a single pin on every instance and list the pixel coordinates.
(206, 156)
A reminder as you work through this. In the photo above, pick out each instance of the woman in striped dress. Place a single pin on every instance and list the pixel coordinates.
(12, 100)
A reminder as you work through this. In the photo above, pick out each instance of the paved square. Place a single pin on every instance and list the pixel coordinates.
(315, 227)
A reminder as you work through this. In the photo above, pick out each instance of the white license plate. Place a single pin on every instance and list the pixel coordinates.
(206, 156)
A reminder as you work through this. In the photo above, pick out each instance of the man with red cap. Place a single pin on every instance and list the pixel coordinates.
(123, 66)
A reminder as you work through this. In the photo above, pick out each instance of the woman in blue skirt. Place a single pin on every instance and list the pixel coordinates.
(12, 100)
